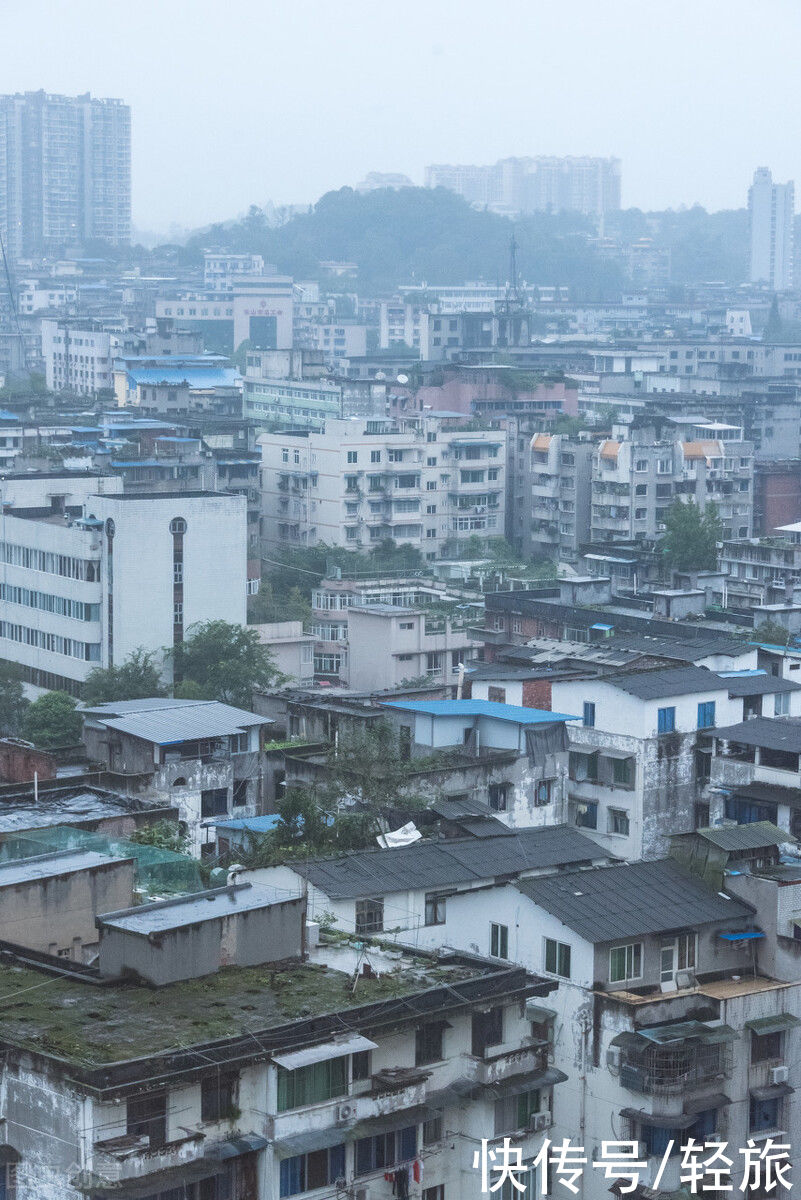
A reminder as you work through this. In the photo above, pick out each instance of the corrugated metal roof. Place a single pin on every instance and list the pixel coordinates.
(631, 900)
(753, 836)
(425, 864)
(187, 723)
(480, 708)
(669, 681)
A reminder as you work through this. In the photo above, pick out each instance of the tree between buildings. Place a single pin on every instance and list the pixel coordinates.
(53, 720)
(12, 699)
(691, 536)
(136, 678)
(220, 661)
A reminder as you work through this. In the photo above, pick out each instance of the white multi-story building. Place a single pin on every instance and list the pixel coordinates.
(88, 578)
(78, 356)
(403, 323)
(36, 295)
(421, 481)
(219, 269)
(771, 208)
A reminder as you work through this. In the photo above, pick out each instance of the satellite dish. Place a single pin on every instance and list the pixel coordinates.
(380, 374)
(403, 379)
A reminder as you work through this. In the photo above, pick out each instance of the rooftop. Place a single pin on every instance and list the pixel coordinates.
(667, 681)
(758, 683)
(361, 873)
(631, 900)
(480, 708)
(181, 911)
(47, 866)
(771, 733)
(166, 722)
(755, 836)
(71, 806)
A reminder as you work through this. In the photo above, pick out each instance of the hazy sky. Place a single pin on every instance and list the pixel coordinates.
(238, 101)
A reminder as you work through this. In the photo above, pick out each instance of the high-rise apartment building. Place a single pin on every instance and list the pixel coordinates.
(65, 172)
(771, 208)
(542, 184)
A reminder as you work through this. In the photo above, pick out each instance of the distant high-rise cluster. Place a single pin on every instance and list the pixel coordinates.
(65, 172)
(771, 208)
(542, 184)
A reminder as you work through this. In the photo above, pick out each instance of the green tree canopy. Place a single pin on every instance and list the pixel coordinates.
(691, 536)
(53, 720)
(165, 835)
(226, 662)
(135, 679)
(12, 699)
(770, 632)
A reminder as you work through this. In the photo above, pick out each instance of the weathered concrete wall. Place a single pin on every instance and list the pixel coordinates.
(59, 913)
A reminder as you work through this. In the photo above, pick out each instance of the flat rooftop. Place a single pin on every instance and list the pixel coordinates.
(19, 811)
(48, 866)
(164, 915)
(95, 1026)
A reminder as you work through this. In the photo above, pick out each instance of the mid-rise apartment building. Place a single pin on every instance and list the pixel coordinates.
(760, 571)
(78, 566)
(554, 518)
(65, 172)
(78, 356)
(643, 469)
(540, 184)
(219, 269)
(421, 481)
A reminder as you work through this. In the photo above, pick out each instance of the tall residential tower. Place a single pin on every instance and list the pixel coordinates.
(771, 208)
(65, 172)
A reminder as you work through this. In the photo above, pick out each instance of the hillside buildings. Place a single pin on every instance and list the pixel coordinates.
(65, 172)
(542, 184)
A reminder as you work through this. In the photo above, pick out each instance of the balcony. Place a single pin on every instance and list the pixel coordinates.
(384, 1098)
(526, 1060)
(677, 1068)
(117, 1160)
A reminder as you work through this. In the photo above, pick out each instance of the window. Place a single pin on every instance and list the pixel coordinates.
(428, 1044)
(766, 1047)
(369, 916)
(583, 766)
(623, 772)
(385, 1150)
(319, 1168)
(314, 1084)
(641, 464)
(435, 908)
(676, 954)
(618, 822)
(542, 792)
(781, 704)
(217, 1096)
(147, 1117)
(706, 714)
(625, 962)
(214, 802)
(375, 456)
(499, 941)
(353, 456)
(666, 720)
(360, 1065)
(589, 714)
(515, 1112)
(763, 1114)
(640, 514)
(432, 1133)
(496, 694)
(641, 489)
(487, 1031)
(557, 958)
(587, 814)
(498, 796)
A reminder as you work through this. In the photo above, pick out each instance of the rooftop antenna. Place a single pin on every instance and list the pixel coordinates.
(514, 295)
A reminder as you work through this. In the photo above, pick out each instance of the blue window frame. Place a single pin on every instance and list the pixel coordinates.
(656, 1138)
(386, 1150)
(587, 814)
(706, 714)
(666, 720)
(589, 714)
(318, 1168)
(745, 811)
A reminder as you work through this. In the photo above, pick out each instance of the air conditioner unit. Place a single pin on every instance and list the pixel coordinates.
(345, 1112)
(779, 1074)
(361, 1193)
(540, 1120)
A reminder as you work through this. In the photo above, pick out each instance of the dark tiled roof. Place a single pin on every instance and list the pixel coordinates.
(759, 685)
(772, 733)
(449, 861)
(670, 681)
(631, 900)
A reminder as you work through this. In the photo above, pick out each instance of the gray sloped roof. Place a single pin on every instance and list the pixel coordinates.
(667, 681)
(755, 836)
(186, 723)
(774, 733)
(448, 861)
(759, 685)
(631, 900)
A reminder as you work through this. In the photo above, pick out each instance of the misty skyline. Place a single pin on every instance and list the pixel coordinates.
(243, 103)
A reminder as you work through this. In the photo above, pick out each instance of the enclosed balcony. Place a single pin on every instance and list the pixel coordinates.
(671, 1060)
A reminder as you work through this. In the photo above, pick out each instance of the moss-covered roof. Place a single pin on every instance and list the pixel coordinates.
(93, 1026)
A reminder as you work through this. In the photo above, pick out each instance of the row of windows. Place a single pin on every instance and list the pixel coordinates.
(87, 651)
(666, 717)
(678, 953)
(63, 606)
(49, 562)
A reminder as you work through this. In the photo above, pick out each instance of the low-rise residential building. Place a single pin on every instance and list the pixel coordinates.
(202, 757)
(320, 1083)
(389, 644)
(640, 756)
(755, 773)
(421, 481)
(554, 521)
(78, 356)
(292, 649)
(762, 571)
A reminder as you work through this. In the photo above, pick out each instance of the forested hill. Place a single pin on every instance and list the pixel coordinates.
(417, 235)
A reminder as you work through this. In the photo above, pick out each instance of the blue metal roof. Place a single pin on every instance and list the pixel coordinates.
(251, 824)
(194, 376)
(480, 708)
(5, 415)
